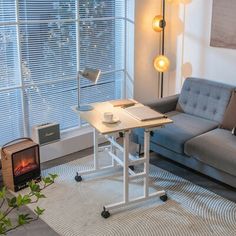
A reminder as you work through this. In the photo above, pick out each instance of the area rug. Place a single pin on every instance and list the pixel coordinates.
(73, 209)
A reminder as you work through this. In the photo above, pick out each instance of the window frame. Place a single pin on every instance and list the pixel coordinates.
(22, 86)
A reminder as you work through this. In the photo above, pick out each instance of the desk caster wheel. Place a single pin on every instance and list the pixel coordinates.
(164, 198)
(105, 214)
(78, 178)
(131, 167)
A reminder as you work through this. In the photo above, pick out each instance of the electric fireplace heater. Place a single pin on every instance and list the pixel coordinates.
(20, 164)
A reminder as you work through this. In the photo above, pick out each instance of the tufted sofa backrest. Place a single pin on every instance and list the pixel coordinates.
(204, 98)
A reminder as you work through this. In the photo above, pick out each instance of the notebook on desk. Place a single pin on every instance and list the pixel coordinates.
(144, 113)
(123, 103)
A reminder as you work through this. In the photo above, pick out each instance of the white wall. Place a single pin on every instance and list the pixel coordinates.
(146, 48)
(189, 46)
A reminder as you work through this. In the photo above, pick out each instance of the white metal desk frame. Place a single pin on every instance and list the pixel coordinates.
(128, 174)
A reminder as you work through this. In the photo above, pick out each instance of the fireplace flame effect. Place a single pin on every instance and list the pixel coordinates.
(24, 166)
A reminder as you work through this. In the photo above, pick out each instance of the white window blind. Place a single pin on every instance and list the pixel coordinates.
(43, 43)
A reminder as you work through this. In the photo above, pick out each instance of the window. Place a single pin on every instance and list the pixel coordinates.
(43, 43)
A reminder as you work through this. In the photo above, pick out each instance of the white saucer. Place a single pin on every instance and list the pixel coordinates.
(115, 120)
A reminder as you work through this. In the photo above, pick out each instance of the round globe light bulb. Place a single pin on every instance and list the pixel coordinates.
(157, 23)
(161, 63)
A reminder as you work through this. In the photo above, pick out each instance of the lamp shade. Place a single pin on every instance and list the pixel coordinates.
(158, 23)
(91, 74)
(161, 63)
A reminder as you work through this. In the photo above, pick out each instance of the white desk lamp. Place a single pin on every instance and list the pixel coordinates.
(91, 75)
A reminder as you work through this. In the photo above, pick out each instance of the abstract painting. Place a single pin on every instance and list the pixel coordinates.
(223, 28)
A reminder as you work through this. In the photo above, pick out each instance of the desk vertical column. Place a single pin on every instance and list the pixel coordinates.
(113, 150)
(146, 163)
(95, 143)
(126, 167)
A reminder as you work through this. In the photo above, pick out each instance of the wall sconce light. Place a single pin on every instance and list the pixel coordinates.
(161, 62)
(158, 24)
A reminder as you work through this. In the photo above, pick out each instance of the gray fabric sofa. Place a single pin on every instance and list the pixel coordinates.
(195, 139)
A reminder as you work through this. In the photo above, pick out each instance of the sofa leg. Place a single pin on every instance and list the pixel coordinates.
(140, 153)
(139, 149)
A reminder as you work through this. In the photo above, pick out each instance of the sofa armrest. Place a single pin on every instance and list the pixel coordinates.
(166, 104)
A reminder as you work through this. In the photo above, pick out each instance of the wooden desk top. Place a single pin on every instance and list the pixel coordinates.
(127, 122)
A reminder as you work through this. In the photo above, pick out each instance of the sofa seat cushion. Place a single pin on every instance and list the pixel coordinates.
(184, 127)
(216, 148)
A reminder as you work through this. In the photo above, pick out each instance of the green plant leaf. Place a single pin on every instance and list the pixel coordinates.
(34, 187)
(53, 176)
(26, 199)
(3, 192)
(2, 228)
(39, 195)
(19, 200)
(12, 202)
(21, 219)
(39, 211)
(7, 222)
(24, 219)
(1, 214)
(47, 180)
(22, 200)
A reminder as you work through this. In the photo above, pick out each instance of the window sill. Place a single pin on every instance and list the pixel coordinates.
(71, 141)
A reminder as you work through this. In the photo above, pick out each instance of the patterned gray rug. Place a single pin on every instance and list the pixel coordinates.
(73, 209)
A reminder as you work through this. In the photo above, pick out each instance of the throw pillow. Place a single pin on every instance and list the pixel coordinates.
(229, 120)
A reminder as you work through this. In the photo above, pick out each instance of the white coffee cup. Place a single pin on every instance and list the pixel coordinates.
(108, 116)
